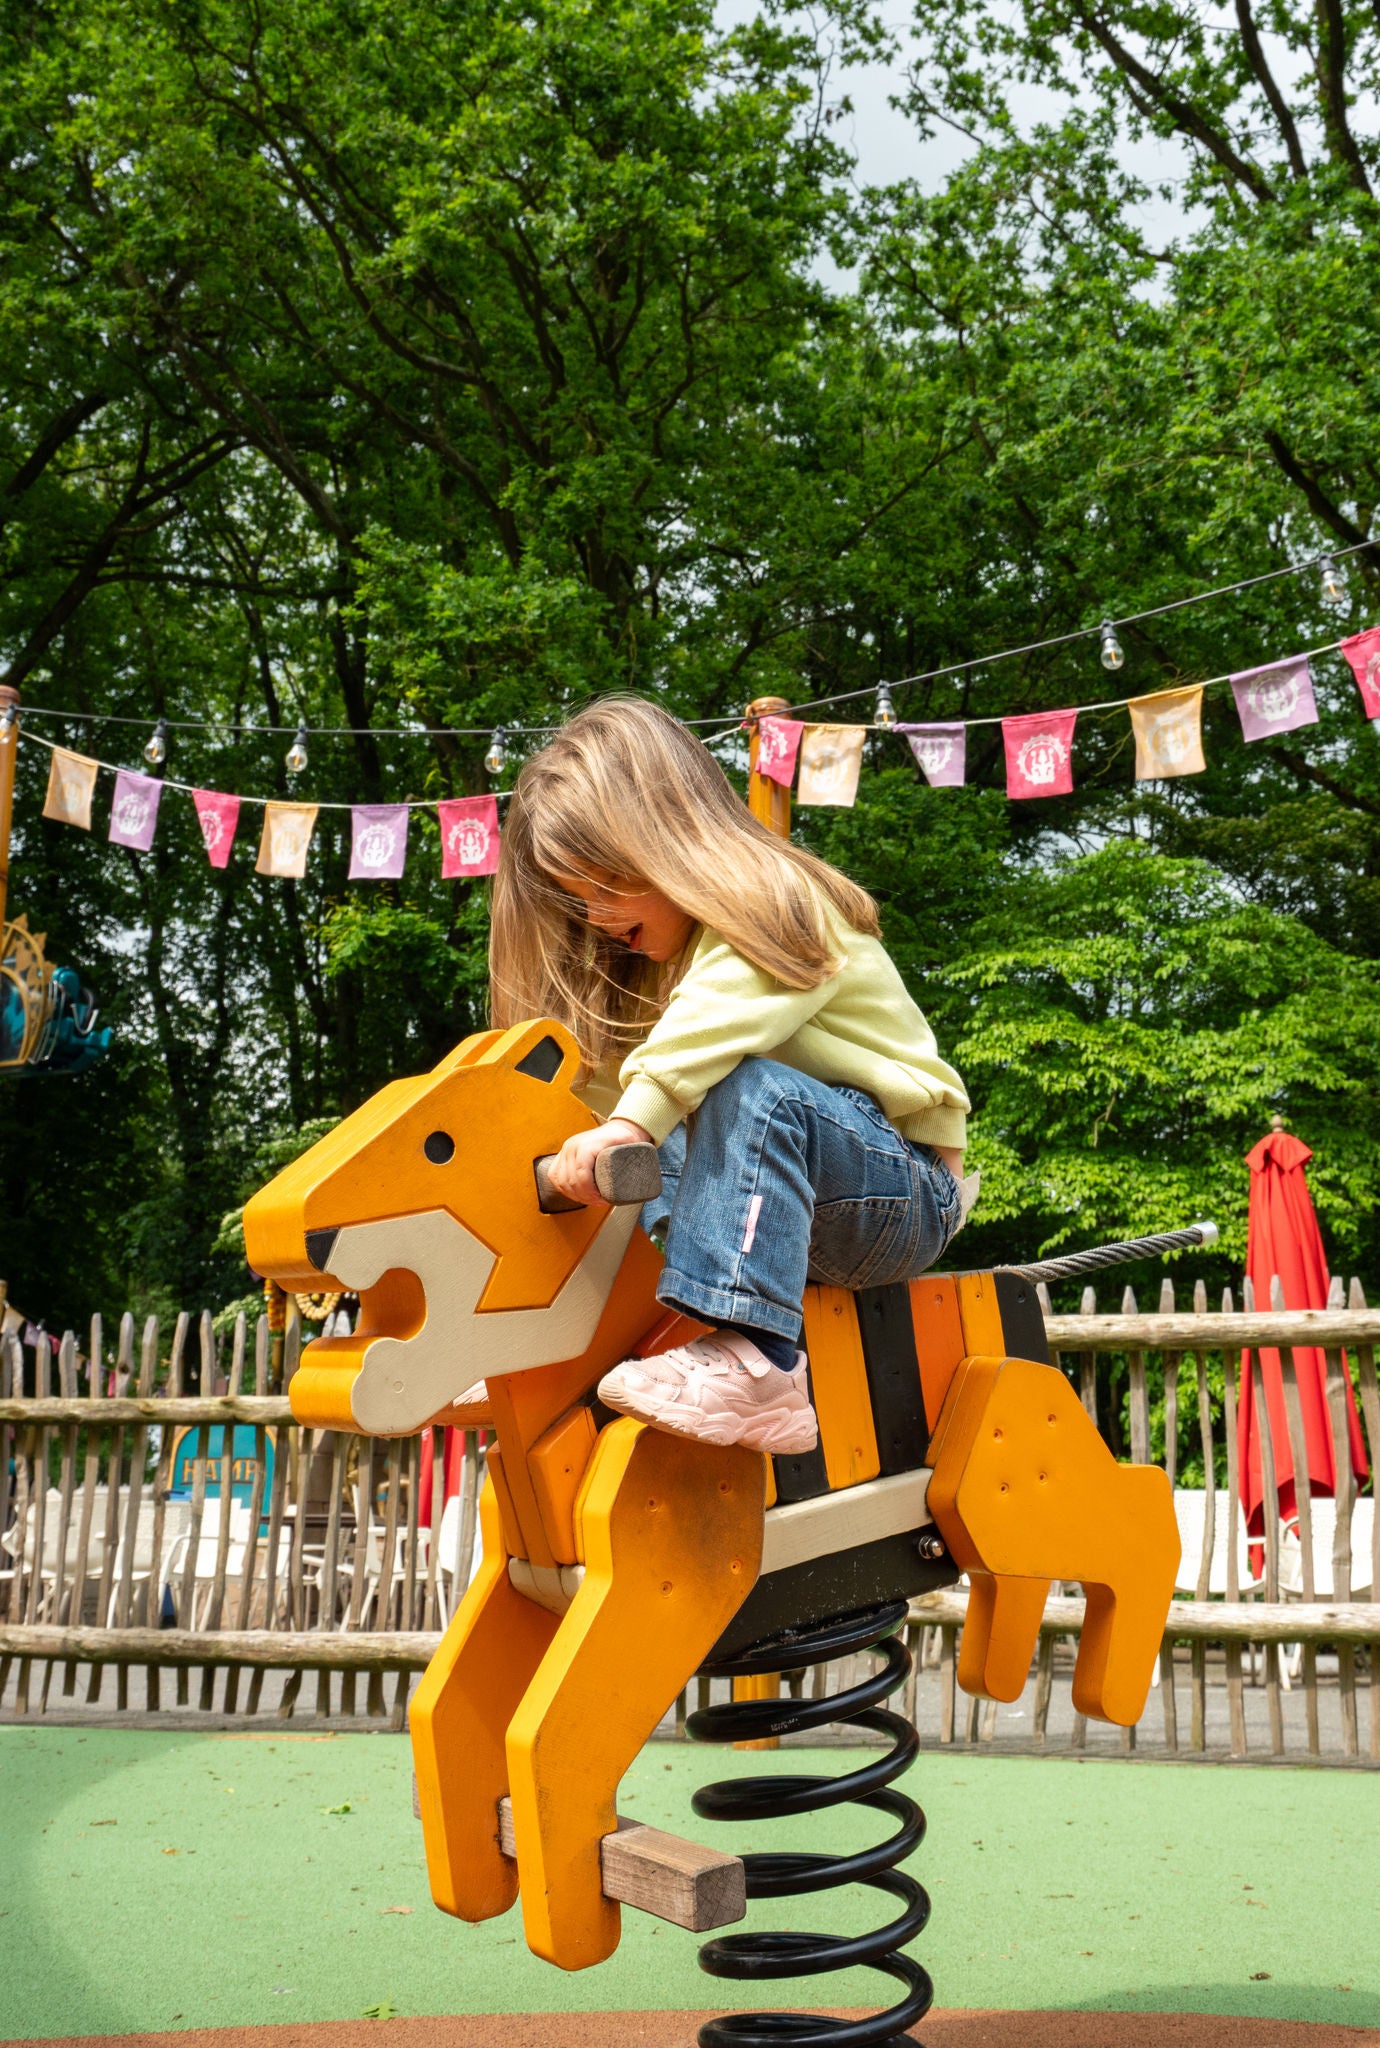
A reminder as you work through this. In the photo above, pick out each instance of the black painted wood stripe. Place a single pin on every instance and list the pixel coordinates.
(1022, 1318)
(802, 1476)
(893, 1377)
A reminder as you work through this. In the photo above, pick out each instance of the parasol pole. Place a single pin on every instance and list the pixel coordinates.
(9, 730)
(769, 803)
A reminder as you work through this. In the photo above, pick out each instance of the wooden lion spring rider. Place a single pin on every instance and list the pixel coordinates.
(619, 1560)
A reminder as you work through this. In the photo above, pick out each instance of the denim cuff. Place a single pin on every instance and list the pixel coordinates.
(722, 1305)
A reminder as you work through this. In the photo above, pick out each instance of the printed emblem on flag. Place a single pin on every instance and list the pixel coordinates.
(1274, 699)
(286, 839)
(71, 781)
(134, 810)
(778, 743)
(830, 761)
(1039, 753)
(218, 817)
(1169, 733)
(469, 836)
(941, 751)
(378, 842)
(1363, 653)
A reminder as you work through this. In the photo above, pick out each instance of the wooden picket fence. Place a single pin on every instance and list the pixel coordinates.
(132, 1546)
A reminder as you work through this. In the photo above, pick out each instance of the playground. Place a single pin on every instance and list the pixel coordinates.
(689, 1024)
(271, 1889)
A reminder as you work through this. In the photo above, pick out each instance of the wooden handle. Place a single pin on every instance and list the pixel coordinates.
(624, 1175)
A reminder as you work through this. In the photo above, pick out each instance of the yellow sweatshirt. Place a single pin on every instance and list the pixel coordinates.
(857, 1029)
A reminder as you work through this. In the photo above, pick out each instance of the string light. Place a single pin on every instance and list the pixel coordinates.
(297, 752)
(156, 746)
(1332, 581)
(497, 756)
(1112, 656)
(886, 710)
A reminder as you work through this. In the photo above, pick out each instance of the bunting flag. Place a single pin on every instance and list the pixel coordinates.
(1362, 650)
(378, 842)
(1274, 699)
(830, 762)
(1169, 733)
(469, 836)
(134, 810)
(1039, 753)
(71, 783)
(778, 743)
(941, 751)
(219, 818)
(286, 838)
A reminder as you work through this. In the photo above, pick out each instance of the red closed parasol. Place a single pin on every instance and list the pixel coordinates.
(1283, 1238)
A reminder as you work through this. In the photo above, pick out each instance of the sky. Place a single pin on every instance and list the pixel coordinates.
(888, 147)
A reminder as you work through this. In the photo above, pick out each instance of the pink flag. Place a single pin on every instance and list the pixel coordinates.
(941, 751)
(134, 810)
(1274, 699)
(469, 836)
(778, 743)
(1362, 650)
(1039, 753)
(378, 842)
(218, 817)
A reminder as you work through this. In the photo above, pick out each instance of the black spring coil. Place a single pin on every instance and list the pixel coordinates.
(784, 1875)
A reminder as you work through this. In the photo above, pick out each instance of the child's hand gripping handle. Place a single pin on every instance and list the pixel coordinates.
(624, 1175)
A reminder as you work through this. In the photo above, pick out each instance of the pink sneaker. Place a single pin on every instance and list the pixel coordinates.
(719, 1389)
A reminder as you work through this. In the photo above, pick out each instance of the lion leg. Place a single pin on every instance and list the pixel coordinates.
(460, 1714)
(670, 1533)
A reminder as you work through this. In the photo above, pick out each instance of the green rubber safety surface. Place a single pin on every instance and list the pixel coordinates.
(155, 1881)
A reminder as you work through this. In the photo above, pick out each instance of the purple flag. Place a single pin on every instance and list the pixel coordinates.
(941, 751)
(378, 842)
(134, 811)
(1274, 699)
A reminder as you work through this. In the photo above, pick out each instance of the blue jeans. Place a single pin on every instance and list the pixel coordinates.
(781, 1179)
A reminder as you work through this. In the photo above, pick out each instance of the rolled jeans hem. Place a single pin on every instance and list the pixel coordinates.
(720, 1305)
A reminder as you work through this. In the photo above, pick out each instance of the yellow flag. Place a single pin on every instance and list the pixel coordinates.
(286, 838)
(71, 781)
(830, 757)
(1169, 733)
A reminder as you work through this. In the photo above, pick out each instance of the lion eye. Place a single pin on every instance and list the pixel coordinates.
(439, 1147)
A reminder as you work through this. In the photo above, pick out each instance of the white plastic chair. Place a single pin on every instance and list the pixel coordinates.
(207, 1551)
(1190, 1512)
(447, 1558)
(1323, 1516)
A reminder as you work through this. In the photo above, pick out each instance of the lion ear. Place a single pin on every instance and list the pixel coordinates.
(542, 1050)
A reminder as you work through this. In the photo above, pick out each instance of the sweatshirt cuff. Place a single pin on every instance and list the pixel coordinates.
(943, 1125)
(647, 1103)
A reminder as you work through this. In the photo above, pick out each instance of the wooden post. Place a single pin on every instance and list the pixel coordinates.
(769, 803)
(9, 749)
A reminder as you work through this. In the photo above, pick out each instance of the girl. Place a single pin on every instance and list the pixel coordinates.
(735, 1006)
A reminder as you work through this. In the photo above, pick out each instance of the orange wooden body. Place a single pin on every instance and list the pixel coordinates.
(616, 1557)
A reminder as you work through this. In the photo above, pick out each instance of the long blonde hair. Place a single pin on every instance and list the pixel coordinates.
(626, 790)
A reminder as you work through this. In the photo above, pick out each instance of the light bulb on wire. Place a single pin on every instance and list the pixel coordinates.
(297, 752)
(1332, 582)
(1112, 656)
(497, 755)
(156, 745)
(886, 710)
(9, 719)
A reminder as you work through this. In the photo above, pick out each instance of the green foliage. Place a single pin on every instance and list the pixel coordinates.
(438, 367)
(1129, 1040)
